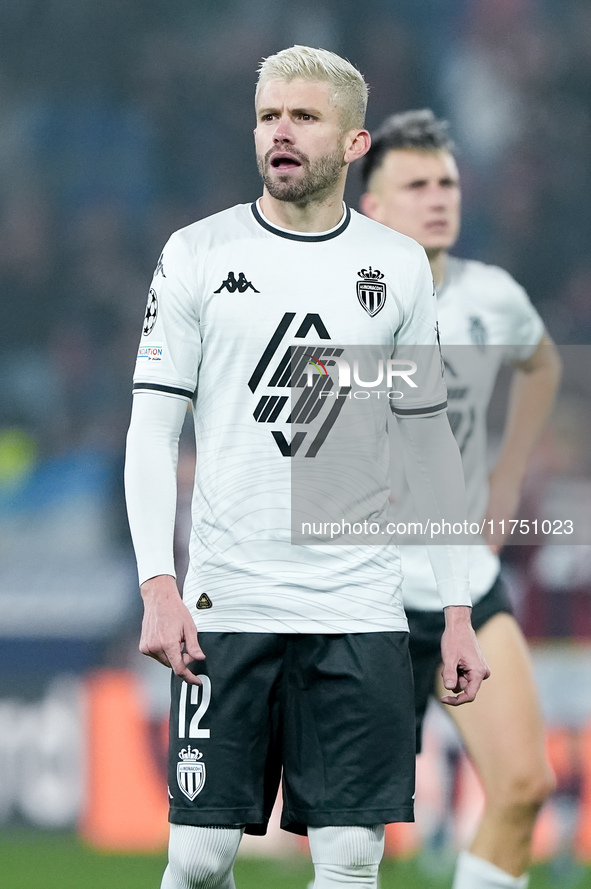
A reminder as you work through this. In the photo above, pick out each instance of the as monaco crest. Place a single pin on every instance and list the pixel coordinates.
(371, 293)
(190, 773)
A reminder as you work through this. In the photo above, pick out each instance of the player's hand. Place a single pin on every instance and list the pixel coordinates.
(464, 666)
(169, 634)
(503, 502)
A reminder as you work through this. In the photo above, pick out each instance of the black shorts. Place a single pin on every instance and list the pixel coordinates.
(332, 715)
(426, 629)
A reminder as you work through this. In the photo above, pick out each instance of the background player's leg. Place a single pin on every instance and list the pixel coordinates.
(503, 732)
(346, 856)
(201, 857)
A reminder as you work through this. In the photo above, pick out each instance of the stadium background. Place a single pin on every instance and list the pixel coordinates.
(120, 122)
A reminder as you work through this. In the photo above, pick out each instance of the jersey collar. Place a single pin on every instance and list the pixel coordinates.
(301, 236)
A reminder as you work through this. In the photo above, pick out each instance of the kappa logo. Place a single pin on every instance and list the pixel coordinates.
(190, 772)
(151, 312)
(233, 284)
(204, 602)
(371, 293)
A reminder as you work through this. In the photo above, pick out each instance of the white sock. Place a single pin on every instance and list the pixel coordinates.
(346, 856)
(201, 857)
(477, 873)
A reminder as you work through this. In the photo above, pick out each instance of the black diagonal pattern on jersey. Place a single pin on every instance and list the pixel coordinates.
(293, 361)
(291, 371)
(310, 401)
(469, 431)
(288, 449)
(281, 400)
(269, 408)
(329, 422)
(270, 350)
(319, 354)
(312, 319)
(315, 408)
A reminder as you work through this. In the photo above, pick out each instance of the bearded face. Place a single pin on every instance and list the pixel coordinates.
(312, 180)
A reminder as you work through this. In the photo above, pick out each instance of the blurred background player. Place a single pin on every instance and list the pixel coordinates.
(486, 320)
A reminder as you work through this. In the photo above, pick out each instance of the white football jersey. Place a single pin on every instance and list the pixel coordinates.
(485, 320)
(251, 323)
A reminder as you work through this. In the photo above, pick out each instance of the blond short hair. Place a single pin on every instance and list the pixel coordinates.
(349, 90)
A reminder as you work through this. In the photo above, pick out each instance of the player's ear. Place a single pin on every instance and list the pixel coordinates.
(357, 144)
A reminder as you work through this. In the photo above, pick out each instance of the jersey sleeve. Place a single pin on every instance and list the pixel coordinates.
(417, 371)
(170, 348)
(525, 328)
(150, 480)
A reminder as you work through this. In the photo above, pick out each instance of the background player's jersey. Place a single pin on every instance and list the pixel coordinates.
(247, 320)
(485, 320)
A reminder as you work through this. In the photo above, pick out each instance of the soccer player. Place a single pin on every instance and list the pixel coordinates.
(302, 665)
(485, 320)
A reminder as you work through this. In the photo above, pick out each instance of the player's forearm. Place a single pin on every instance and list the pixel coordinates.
(150, 481)
(532, 395)
(435, 477)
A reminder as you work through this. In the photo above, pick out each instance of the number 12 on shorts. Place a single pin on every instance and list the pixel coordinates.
(197, 691)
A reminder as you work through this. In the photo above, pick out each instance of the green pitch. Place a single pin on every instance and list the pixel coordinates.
(40, 861)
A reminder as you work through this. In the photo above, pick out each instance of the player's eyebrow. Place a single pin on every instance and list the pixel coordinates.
(312, 112)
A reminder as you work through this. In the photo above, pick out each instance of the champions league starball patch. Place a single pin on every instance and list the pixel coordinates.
(151, 312)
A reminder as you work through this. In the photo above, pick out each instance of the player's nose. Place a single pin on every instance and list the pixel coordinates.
(284, 130)
(439, 196)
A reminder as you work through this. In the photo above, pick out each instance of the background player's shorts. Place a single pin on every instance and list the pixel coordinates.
(335, 712)
(426, 629)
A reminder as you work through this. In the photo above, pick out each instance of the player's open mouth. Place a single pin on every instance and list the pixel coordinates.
(284, 162)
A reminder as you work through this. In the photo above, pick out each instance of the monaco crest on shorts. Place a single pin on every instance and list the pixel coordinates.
(190, 773)
(371, 293)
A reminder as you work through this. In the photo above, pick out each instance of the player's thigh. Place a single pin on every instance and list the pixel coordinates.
(349, 735)
(225, 745)
(503, 728)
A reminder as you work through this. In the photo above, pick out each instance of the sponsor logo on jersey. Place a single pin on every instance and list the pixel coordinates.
(371, 292)
(204, 602)
(233, 284)
(150, 353)
(190, 772)
(151, 312)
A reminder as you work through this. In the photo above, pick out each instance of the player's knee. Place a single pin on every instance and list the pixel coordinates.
(526, 789)
(355, 847)
(201, 857)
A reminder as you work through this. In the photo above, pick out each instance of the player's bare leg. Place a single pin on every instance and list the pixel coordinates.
(503, 731)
